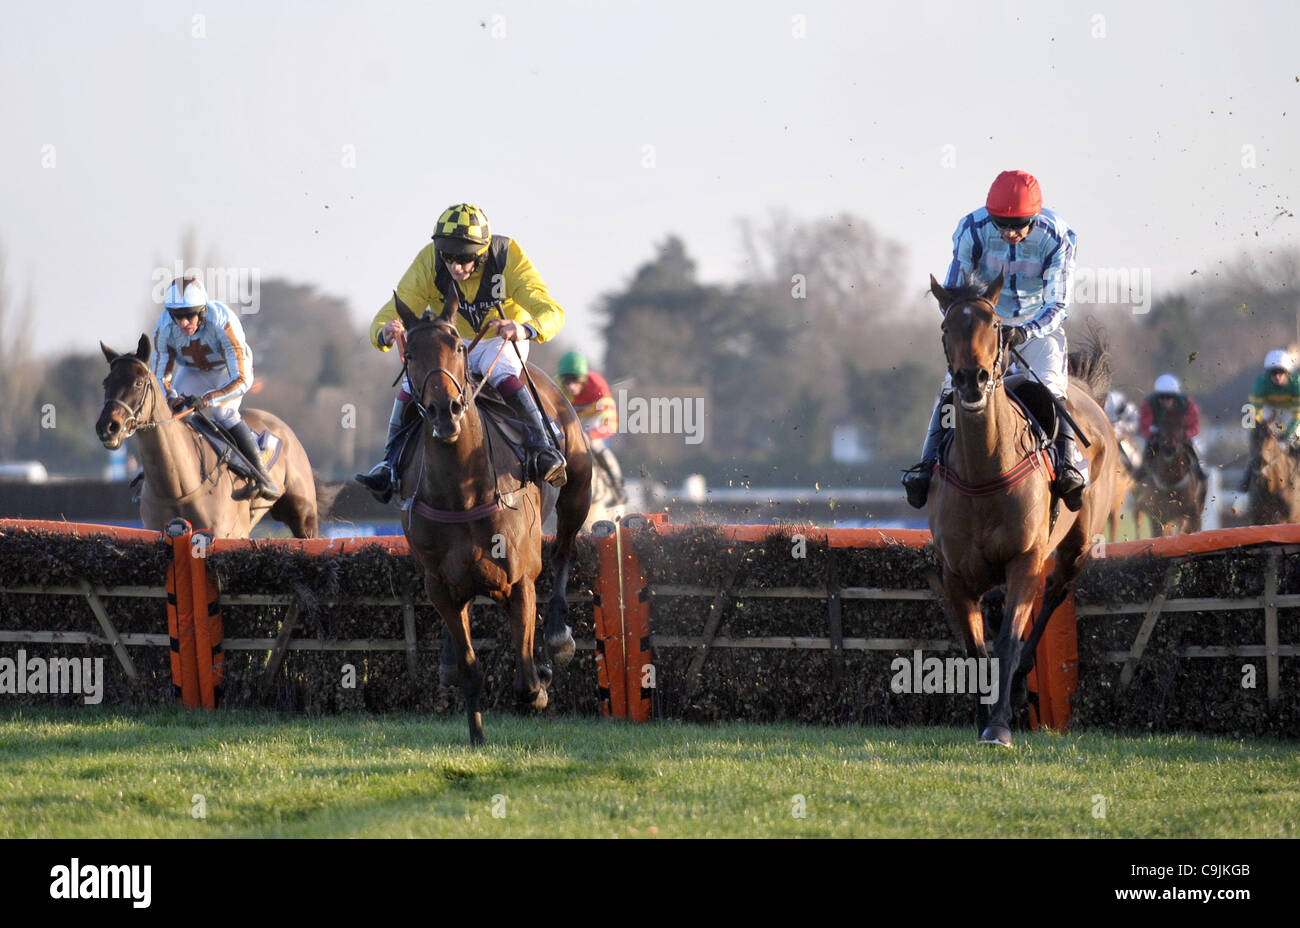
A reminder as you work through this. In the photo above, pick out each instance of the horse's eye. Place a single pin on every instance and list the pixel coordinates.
(138, 383)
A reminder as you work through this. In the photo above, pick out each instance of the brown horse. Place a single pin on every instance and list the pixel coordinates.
(1171, 493)
(475, 524)
(992, 513)
(182, 476)
(1275, 479)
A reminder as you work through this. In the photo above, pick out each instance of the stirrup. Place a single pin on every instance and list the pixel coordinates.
(557, 474)
(1073, 497)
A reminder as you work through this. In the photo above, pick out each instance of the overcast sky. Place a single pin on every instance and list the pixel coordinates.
(318, 141)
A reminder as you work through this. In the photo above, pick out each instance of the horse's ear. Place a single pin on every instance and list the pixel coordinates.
(109, 353)
(404, 312)
(994, 289)
(144, 349)
(450, 305)
(940, 294)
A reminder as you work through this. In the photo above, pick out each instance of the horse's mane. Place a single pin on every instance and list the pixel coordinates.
(1090, 360)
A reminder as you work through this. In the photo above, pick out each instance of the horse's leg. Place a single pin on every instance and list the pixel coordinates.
(456, 620)
(296, 514)
(1070, 558)
(529, 691)
(1024, 576)
(970, 622)
(570, 511)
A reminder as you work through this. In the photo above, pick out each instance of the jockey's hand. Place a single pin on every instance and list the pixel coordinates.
(510, 330)
(394, 333)
(195, 402)
(1017, 336)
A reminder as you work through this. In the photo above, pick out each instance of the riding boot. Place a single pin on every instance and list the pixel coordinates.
(916, 479)
(380, 480)
(1071, 468)
(550, 462)
(247, 443)
(607, 460)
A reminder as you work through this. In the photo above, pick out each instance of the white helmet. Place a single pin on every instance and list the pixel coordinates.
(1167, 383)
(186, 293)
(1277, 358)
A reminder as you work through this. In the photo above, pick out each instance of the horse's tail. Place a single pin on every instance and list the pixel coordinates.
(1089, 362)
(326, 495)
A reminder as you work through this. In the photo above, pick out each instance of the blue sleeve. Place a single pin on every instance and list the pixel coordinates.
(1058, 285)
(963, 260)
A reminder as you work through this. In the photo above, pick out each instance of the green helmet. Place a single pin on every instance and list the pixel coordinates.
(573, 364)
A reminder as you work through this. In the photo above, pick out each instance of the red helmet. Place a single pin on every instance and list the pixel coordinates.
(1015, 194)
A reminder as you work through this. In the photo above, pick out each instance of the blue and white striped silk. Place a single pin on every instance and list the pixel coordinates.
(1039, 271)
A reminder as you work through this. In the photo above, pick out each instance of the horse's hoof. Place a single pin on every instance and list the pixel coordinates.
(450, 676)
(545, 674)
(536, 701)
(561, 647)
(996, 734)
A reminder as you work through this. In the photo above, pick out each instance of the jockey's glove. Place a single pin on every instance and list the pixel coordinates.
(196, 402)
(1018, 336)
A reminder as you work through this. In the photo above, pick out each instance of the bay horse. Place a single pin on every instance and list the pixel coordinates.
(1171, 493)
(992, 513)
(1275, 479)
(475, 522)
(182, 476)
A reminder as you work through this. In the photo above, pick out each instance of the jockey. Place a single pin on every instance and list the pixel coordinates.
(492, 276)
(589, 393)
(1123, 416)
(1169, 414)
(202, 359)
(1277, 389)
(1033, 247)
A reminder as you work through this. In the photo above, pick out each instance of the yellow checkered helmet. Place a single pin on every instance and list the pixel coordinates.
(462, 229)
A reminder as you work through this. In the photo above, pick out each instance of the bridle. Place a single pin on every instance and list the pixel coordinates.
(133, 423)
(999, 366)
(464, 395)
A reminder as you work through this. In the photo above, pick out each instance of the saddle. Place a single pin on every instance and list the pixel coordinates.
(268, 444)
(498, 418)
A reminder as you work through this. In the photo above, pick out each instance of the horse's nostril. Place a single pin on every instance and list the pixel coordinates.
(983, 377)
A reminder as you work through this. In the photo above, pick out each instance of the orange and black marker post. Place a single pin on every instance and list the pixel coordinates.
(180, 616)
(611, 668)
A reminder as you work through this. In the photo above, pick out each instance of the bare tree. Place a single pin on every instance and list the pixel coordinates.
(19, 377)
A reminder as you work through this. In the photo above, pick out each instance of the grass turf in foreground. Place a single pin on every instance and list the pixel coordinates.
(106, 773)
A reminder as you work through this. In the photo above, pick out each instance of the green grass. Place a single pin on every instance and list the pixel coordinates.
(104, 772)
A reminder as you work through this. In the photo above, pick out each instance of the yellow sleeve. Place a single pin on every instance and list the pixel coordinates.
(524, 286)
(416, 290)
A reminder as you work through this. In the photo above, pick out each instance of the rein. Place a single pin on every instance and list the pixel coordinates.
(1031, 462)
(468, 399)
